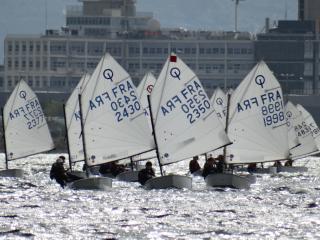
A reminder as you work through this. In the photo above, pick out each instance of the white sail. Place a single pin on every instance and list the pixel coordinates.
(25, 127)
(185, 122)
(311, 124)
(257, 125)
(115, 126)
(307, 145)
(293, 140)
(219, 103)
(73, 124)
(144, 89)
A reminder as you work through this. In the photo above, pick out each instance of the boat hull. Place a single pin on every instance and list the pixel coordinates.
(197, 173)
(79, 174)
(18, 173)
(227, 180)
(128, 176)
(292, 169)
(169, 181)
(93, 183)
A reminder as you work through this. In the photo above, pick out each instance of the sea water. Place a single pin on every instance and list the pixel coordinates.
(281, 206)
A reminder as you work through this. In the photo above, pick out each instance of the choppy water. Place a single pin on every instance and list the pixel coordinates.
(285, 206)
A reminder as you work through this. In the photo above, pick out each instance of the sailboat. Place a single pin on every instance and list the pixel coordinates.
(307, 145)
(25, 128)
(143, 90)
(311, 124)
(114, 126)
(256, 121)
(219, 103)
(73, 125)
(183, 121)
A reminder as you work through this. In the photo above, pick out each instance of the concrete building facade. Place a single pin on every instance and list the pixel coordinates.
(57, 59)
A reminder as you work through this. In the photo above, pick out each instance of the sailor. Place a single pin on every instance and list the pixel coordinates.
(112, 168)
(209, 167)
(58, 172)
(146, 173)
(252, 167)
(194, 165)
(289, 163)
(277, 164)
(220, 164)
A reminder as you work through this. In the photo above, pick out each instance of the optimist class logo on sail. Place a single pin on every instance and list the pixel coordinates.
(121, 99)
(270, 104)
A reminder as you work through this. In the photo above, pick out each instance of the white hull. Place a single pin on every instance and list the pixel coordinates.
(252, 178)
(227, 180)
(293, 169)
(94, 183)
(169, 181)
(107, 175)
(79, 174)
(128, 176)
(18, 173)
(274, 170)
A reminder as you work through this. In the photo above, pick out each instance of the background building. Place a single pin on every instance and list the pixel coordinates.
(56, 61)
(309, 10)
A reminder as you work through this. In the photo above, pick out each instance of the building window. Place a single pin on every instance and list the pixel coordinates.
(44, 64)
(30, 63)
(58, 82)
(16, 63)
(9, 64)
(16, 80)
(9, 82)
(45, 47)
(44, 82)
(23, 64)
(31, 47)
(38, 64)
(30, 82)
(16, 47)
(10, 47)
(38, 47)
(24, 47)
(37, 81)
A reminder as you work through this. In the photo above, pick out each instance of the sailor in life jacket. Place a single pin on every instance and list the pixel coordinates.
(194, 165)
(146, 173)
(58, 172)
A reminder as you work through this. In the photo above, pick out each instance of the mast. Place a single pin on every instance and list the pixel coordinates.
(67, 138)
(154, 135)
(227, 125)
(82, 132)
(4, 140)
